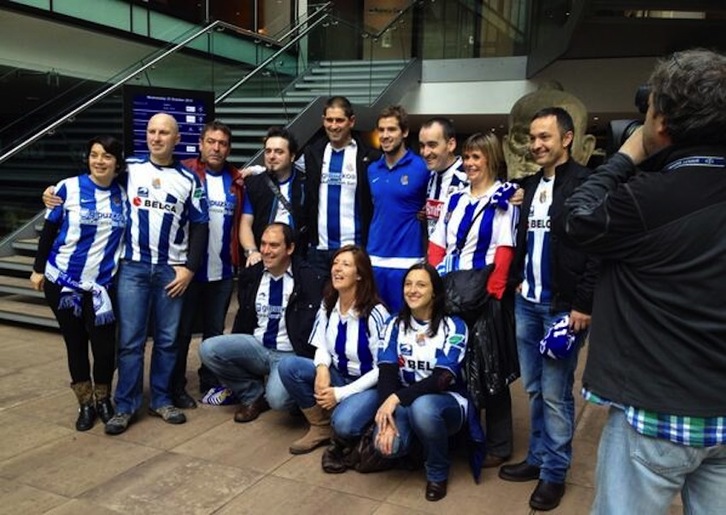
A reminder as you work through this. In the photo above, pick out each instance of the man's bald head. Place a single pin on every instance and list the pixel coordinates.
(162, 135)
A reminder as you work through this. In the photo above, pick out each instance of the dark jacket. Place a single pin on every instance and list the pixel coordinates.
(574, 273)
(658, 335)
(199, 168)
(302, 306)
(313, 170)
(264, 205)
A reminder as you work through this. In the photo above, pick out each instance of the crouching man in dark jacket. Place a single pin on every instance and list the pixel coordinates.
(278, 300)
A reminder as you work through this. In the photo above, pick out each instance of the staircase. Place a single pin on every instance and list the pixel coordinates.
(249, 117)
(18, 301)
(61, 155)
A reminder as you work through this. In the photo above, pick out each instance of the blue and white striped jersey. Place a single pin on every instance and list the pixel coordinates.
(92, 221)
(339, 217)
(217, 263)
(441, 185)
(351, 341)
(537, 286)
(271, 301)
(492, 227)
(417, 354)
(163, 200)
(396, 238)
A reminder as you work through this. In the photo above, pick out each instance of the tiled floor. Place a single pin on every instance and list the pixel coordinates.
(213, 465)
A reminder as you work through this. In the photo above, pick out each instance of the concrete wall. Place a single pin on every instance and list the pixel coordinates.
(491, 86)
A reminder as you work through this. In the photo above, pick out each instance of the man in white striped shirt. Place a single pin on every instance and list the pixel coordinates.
(166, 236)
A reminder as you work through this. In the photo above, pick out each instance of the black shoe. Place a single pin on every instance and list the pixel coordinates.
(435, 490)
(104, 409)
(86, 417)
(521, 471)
(182, 400)
(547, 496)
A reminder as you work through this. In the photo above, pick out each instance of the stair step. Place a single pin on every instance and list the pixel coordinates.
(18, 308)
(28, 245)
(17, 263)
(261, 122)
(259, 101)
(257, 110)
(18, 286)
(352, 87)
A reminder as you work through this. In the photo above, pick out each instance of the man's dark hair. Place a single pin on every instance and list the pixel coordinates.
(341, 103)
(397, 112)
(216, 125)
(287, 232)
(564, 120)
(281, 132)
(110, 145)
(689, 90)
(447, 126)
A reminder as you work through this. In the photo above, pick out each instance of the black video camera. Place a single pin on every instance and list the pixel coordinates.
(621, 130)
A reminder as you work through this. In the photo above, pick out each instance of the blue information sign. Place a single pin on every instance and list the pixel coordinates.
(191, 109)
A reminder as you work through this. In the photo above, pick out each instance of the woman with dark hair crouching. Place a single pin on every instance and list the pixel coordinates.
(77, 259)
(420, 380)
(335, 390)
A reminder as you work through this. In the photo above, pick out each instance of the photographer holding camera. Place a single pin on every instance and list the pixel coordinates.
(658, 336)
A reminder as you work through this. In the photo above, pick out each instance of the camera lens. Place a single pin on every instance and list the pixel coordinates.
(642, 98)
(618, 132)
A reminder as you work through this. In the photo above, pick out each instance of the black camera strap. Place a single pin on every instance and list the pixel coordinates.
(276, 190)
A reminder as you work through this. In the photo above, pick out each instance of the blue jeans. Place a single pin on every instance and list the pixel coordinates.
(141, 292)
(350, 417)
(389, 282)
(548, 382)
(211, 300)
(241, 362)
(640, 474)
(431, 418)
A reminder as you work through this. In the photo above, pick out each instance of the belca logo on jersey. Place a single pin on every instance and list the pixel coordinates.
(146, 203)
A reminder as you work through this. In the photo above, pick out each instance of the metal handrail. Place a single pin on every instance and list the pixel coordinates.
(113, 87)
(130, 75)
(267, 61)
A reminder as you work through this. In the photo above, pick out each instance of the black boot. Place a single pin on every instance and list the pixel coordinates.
(104, 406)
(86, 411)
(339, 456)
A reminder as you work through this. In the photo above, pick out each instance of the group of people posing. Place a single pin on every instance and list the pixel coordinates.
(342, 257)
(345, 262)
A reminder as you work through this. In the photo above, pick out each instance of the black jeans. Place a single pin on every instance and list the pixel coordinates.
(210, 301)
(78, 331)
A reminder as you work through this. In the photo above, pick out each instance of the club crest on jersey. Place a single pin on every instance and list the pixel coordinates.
(404, 179)
(156, 183)
(406, 349)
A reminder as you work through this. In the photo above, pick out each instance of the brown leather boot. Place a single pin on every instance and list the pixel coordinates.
(318, 434)
(86, 410)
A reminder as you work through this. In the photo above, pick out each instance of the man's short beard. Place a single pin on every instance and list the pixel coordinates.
(394, 150)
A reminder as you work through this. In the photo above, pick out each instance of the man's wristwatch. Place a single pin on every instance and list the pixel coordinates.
(249, 252)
